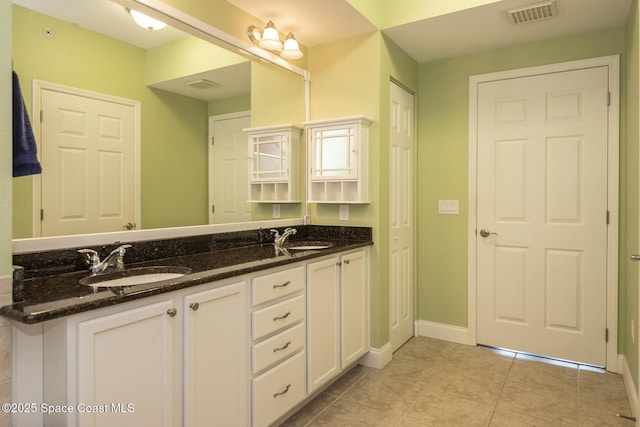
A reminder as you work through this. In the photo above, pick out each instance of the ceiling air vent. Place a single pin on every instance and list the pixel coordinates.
(202, 84)
(533, 12)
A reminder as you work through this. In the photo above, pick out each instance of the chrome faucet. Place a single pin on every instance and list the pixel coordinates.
(279, 240)
(115, 259)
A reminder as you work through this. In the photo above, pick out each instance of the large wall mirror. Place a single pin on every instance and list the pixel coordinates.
(178, 82)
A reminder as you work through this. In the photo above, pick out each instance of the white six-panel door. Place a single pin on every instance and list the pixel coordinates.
(401, 140)
(88, 150)
(228, 165)
(542, 214)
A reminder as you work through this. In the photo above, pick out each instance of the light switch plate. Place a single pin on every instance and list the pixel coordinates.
(448, 207)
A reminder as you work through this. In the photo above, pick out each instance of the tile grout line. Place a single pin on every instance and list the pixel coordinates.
(338, 397)
(504, 384)
(415, 402)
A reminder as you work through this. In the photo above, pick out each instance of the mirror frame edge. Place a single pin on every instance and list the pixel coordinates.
(41, 244)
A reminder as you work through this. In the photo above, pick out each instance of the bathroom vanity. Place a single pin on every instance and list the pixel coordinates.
(246, 338)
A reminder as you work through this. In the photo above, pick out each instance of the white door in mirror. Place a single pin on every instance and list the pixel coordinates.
(88, 158)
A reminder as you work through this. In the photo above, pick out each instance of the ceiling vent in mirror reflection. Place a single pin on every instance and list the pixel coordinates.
(533, 12)
(202, 84)
(269, 39)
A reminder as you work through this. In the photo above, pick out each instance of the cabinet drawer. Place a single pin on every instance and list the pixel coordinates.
(277, 347)
(275, 285)
(278, 390)
(277, 316)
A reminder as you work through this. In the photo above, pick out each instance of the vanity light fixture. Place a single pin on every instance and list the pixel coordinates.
(146, 22)
(269, 39)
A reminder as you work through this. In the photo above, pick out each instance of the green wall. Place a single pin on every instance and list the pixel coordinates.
(629, 209)
(346, 82)
(6, 165)
(351, 77)
(443, 159)
(230, 105)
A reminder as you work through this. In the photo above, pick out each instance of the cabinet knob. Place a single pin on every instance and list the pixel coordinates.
(346, 261)
(194, 306)
(172, 312)
(339, 264)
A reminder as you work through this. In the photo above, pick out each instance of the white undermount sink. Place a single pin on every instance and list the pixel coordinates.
(135, 276)
(308, 245)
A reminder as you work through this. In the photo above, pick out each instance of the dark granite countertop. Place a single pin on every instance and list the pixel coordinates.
(53, 296)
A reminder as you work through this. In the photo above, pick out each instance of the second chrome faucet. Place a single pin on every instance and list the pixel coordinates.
(115, 259)
(279, 240)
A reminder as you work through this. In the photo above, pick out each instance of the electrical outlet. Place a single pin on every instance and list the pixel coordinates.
(276, 211)
(344, 212)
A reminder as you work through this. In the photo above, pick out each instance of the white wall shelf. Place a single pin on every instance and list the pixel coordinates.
(337, 151)
(274, 164)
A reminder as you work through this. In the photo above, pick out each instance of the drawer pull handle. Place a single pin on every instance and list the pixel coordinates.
(287, 283)
(194, 305)
(284, 347)
(284, 316)
(280, 393)
(172, 312)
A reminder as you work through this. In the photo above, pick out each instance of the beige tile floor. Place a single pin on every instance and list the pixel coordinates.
(438, 383)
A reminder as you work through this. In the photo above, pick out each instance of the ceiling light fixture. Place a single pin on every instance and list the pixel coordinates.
(269, 39)
(146, 22)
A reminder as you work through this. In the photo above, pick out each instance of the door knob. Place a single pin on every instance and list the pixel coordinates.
(635, 257)
(486, 233)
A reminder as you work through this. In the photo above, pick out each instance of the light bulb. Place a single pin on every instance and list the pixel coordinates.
(291, 48)
(270, 38)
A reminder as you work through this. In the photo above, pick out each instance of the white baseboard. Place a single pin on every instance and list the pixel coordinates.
(443, 332)
(377, 357)
(630, 386)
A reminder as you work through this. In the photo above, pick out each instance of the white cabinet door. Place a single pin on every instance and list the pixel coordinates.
(354, 306)
(126, 370)
(323, 322)
(215, 357)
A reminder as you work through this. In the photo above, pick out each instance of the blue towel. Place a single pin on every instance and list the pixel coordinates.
(25, 158)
